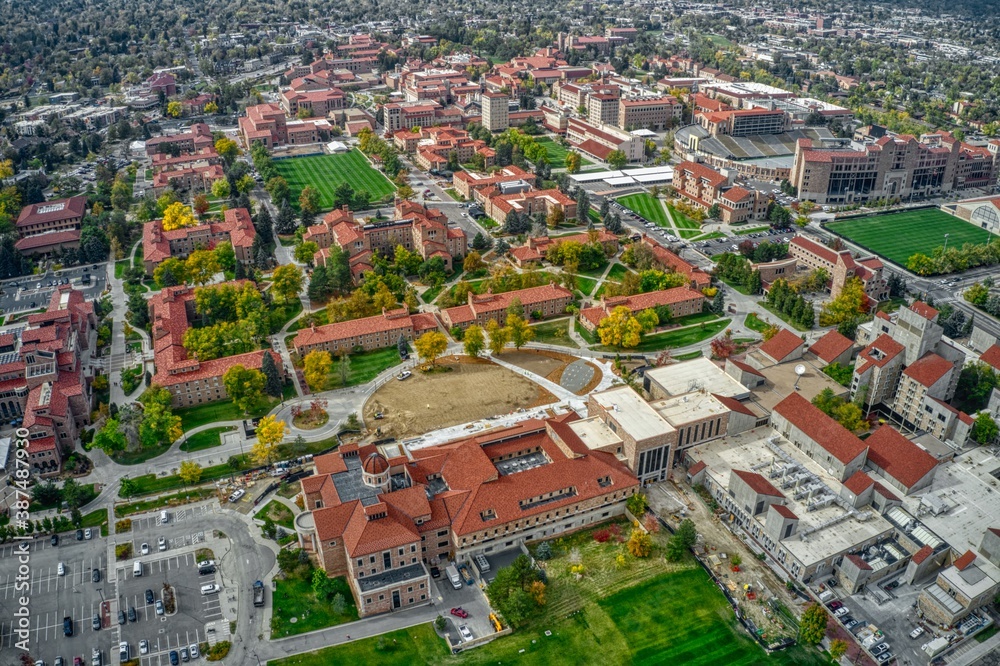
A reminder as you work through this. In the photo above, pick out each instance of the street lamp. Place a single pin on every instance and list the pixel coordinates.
(945, 242)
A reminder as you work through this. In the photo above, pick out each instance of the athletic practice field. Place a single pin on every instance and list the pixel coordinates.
(898, 236)
(557, 154)
(646, 206)
(327, 172)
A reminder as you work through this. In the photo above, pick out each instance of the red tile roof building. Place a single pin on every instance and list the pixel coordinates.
(50, 225)
(549, 300)
(418, 229)
(43, 381)
(199, 136)
(381, 520)
(784, 346)
(236, 228)
(498, 206)
(190, 381)
(535, 249)
(266, 124)
(841, 266)
(833, 348)
(319, 103)
(703, 186)
(467, 183)
(673, 263)
(819, 436)
(368, 333)
(904, 464)
(681, 301)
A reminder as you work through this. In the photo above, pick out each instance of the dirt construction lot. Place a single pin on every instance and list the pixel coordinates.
(473, 389)
(551, 365)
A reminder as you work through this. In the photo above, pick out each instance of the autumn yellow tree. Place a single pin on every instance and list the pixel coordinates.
(474, 340)
(201, 266)
(317, 369)
(430, 345)
(189, 472)
(178, 215)
(499, 336)
(227, 149)
(518, 330)
(851, 303)
(174, 109)
(640, 544)
(286, 281)
(620, 328)
(270, 433)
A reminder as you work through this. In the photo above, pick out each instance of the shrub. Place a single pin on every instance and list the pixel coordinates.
(218, 651)
(544, 551)
(123, 525)
(123, 551)
(601, 536)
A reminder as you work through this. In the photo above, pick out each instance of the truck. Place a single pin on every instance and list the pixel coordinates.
(258, 593)
(456, 580)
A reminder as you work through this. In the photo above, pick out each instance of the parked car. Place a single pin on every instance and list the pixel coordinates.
(880, 648)
(435, 572)
(95, 575)
(834, 605)
(184, 654)
(54, 540)
(916, 633)
(159, 607)
(88, 534)
(143, 646)
(174, 659)
(79, 535)
(161, 544)
(193, 648)
(144, 549)
(842, 611)
(466, 634)
(132, 615)
(204, 564)
(149, 596)
(885, 657)
(237, 494)
(405, 374)
(96, 623)
(849, 622)
(459, 612)
(121, 617)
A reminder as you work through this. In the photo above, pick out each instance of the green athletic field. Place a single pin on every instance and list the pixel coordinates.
(557, 153)
(898, 236)
(646, 206)
(327, 172)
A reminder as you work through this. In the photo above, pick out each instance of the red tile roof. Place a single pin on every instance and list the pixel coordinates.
(52, 211)
(887, 349)
(992, 356)
(387, 322)
(831, 346)
(924, 310)
(48, 238)
(840, 442)
(922, 554)
(758, 483)
(701, 171)
(859, 563)
(733, 404)
(782, 345)
(859, 482)
(784, 511)
(965, 560)
(697, 467)
(746, 368)
(484, 304)
(898, 457)
(929, 369)
(885, 492)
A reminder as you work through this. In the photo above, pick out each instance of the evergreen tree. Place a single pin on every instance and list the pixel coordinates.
(272, 382)
(241, 271)
(286, 223)
(264, 225)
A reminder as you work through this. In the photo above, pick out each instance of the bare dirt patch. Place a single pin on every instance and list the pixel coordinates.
(551, 365)
(473, 389)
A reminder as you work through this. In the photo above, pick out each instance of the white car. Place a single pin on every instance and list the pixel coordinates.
(916, 633)
(210, 588)
(466, 634)
(193, 649)
(405, 374)
(143, 646)
(161, 544)
(237, 494)
(144, 549)
(88, 534)
(206, 563)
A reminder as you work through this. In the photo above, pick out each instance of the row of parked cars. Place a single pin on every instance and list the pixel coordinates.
(879, 650)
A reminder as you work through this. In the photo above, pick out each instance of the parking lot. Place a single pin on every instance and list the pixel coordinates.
(895, 618)
(54, 597)
(19, 294)
(470, 599)
(198, 617)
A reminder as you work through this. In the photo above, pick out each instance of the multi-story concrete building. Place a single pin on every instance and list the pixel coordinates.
(468, 183)
(422, 230)
(704, 187)
(548, 300)
(598, 141)
(319, 103)
(496, 107)
(745, 122)
(381, 515)
(51, 225)
(368, 333)
(190, 381)
(602, 107)
(236, 229)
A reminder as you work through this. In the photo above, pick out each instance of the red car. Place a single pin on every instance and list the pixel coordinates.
(459, 612)
(834, 605)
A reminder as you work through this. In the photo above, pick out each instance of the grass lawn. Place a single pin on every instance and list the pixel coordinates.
(327, 172)
(681, 337)
(432, 293)
(319, 317)
(646, 206)
(709, 236)
(557, 153)
(138, 457)
(585, 284)
(755, 323)
(365, 366)
(751, 230)
(278, 513)
(719, 40)
(453, 194)
(553, 333)
(206, 439)
(96, 518)
(296, 599)
(405, 647)
(120, 267)
(222, 410)
(898, 236)
(689, 356)
(618, 272)
(591, 338)
(682, 221)
(282, 314)
(187, 496)
(697, 318)
(688, 234)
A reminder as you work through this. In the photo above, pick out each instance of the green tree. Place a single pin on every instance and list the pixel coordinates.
(849, 304)
(304, 252)
(309, 200)
(286, 282)
(616, 159)
(245, 386)
(509, 592)
(110, 438)
(474, 340)
(201, 266)
(984, 429)
(838, 648)
(636, 504)
(812, 625)
(682, 540)
(499, 336)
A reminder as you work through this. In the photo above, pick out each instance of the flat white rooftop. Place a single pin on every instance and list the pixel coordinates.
(595, 433)
(750, 450)
(688, 408)
(632, 412)
(695, 375)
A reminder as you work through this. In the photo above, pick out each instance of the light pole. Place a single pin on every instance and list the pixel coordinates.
(945, 243)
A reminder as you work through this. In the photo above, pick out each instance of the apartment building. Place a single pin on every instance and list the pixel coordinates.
(368, 333)
(681, 301)
(319, 103)
(189, 179)
(50, 226)
(496, 107)
(548, 300)
(266, 123)
(433, 146)
(422, 113)
(468, 183)
(190, 381)
(672, 262)
(381, 515)
(603, 107)
(652, 113)
(236, 229)
(841, 266)
(535, 248)
(418, 229)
